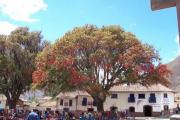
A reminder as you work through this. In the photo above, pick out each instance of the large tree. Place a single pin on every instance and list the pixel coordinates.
(17, 62)
(95, 59)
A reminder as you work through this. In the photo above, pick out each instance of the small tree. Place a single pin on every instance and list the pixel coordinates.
(17, 62)
(96, 59)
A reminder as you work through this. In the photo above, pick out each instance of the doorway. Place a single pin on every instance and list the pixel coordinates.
(66, 109)
(131, 109)
(90, 109)
(147, 109)
(114, 109)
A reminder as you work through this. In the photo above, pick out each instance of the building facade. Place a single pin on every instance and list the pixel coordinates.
(75, 101)
(138, 100)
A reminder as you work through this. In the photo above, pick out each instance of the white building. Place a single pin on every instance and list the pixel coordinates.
(75, 101)
(141, 100)
(138, 100)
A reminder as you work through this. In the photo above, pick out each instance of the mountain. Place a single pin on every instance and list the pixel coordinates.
(174, 66)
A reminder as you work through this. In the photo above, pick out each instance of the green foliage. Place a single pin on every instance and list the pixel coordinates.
(17, 62)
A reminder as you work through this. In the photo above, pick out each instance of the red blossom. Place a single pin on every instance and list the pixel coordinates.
(38, 76)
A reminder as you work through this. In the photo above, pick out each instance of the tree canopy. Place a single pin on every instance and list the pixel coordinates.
(95, 59)
(17, 62)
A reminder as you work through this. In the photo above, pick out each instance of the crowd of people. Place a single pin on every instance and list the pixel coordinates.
(35, 114)
(57, 115)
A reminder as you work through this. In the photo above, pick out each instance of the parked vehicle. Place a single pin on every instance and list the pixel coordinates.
(175, 117)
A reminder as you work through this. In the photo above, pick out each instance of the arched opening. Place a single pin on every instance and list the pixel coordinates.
(147, 109)
(166, 107)
(131, 109)
(114, 109)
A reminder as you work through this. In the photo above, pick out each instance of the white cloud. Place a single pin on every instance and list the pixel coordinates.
(6, 27)
(22, 10)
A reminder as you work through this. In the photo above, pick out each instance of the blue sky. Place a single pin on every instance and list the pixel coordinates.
(56, 17)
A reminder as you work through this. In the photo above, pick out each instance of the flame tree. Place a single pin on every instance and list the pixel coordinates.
(95, 59)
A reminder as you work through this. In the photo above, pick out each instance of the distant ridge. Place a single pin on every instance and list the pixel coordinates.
(174, 66)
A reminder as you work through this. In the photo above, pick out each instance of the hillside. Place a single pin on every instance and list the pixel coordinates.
(174, 66)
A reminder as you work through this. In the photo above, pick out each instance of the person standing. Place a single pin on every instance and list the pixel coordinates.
(82, 117)
(33, 115)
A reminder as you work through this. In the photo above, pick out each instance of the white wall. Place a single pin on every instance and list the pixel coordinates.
(168, 101)
(66, 100)
(76, 104)
(84, 108)
(122, 101)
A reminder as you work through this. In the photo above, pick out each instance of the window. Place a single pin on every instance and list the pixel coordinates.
(131, 98)
(141, 96)
(131, 95)
(152, 98)
(61, 102)
(165, 95)
(84, 102)
(113, 96)
(70, 102)
(131, 109)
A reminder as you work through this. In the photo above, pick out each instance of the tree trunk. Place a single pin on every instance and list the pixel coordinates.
(12, 100)
(99, 103)
(11, 103)
(100, 107)
(99, 98)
